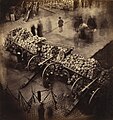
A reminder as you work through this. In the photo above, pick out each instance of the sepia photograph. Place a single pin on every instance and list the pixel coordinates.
(56, 59)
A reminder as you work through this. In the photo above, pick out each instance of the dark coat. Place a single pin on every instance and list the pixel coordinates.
(33, 30)
(41, 112)
(75, 4)
(60, 23)
(77, 21)
(92, 23)
(39, 30)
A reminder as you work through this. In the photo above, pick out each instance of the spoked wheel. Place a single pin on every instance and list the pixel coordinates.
(91, 100)
(94, 94)
(52, 72)
(33, 62)
(48, 75)
(76, 84)
(64, 76)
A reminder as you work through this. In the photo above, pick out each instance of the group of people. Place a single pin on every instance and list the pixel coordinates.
(37, 31)
(25, 10)
(85, 30)
(29, 9)
(85, 3)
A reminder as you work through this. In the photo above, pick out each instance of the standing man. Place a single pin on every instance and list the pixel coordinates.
(33, 30)
(92, 28)
(37, 7)
(34, 9)
(90, 3)
(75, 4)
(92, 23)
(12, 14)
(66, 10)
(49, 112)
(40, 29)
(41, 111)
(82, 2)
(60, 24)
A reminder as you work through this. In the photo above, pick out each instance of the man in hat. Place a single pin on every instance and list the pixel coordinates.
(60, 24)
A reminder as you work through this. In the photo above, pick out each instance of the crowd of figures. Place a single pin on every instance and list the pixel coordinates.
(72, 4)
(86, 3)
(39, 30)
(30, 9)
(26, 10)
(86, 28)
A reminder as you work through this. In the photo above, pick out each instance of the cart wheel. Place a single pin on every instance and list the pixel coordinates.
(77, 86)
(33, 62)
(94, 93)
(64, 75)
(50, 72)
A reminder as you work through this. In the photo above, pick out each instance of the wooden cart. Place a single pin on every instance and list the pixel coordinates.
(84, 77)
